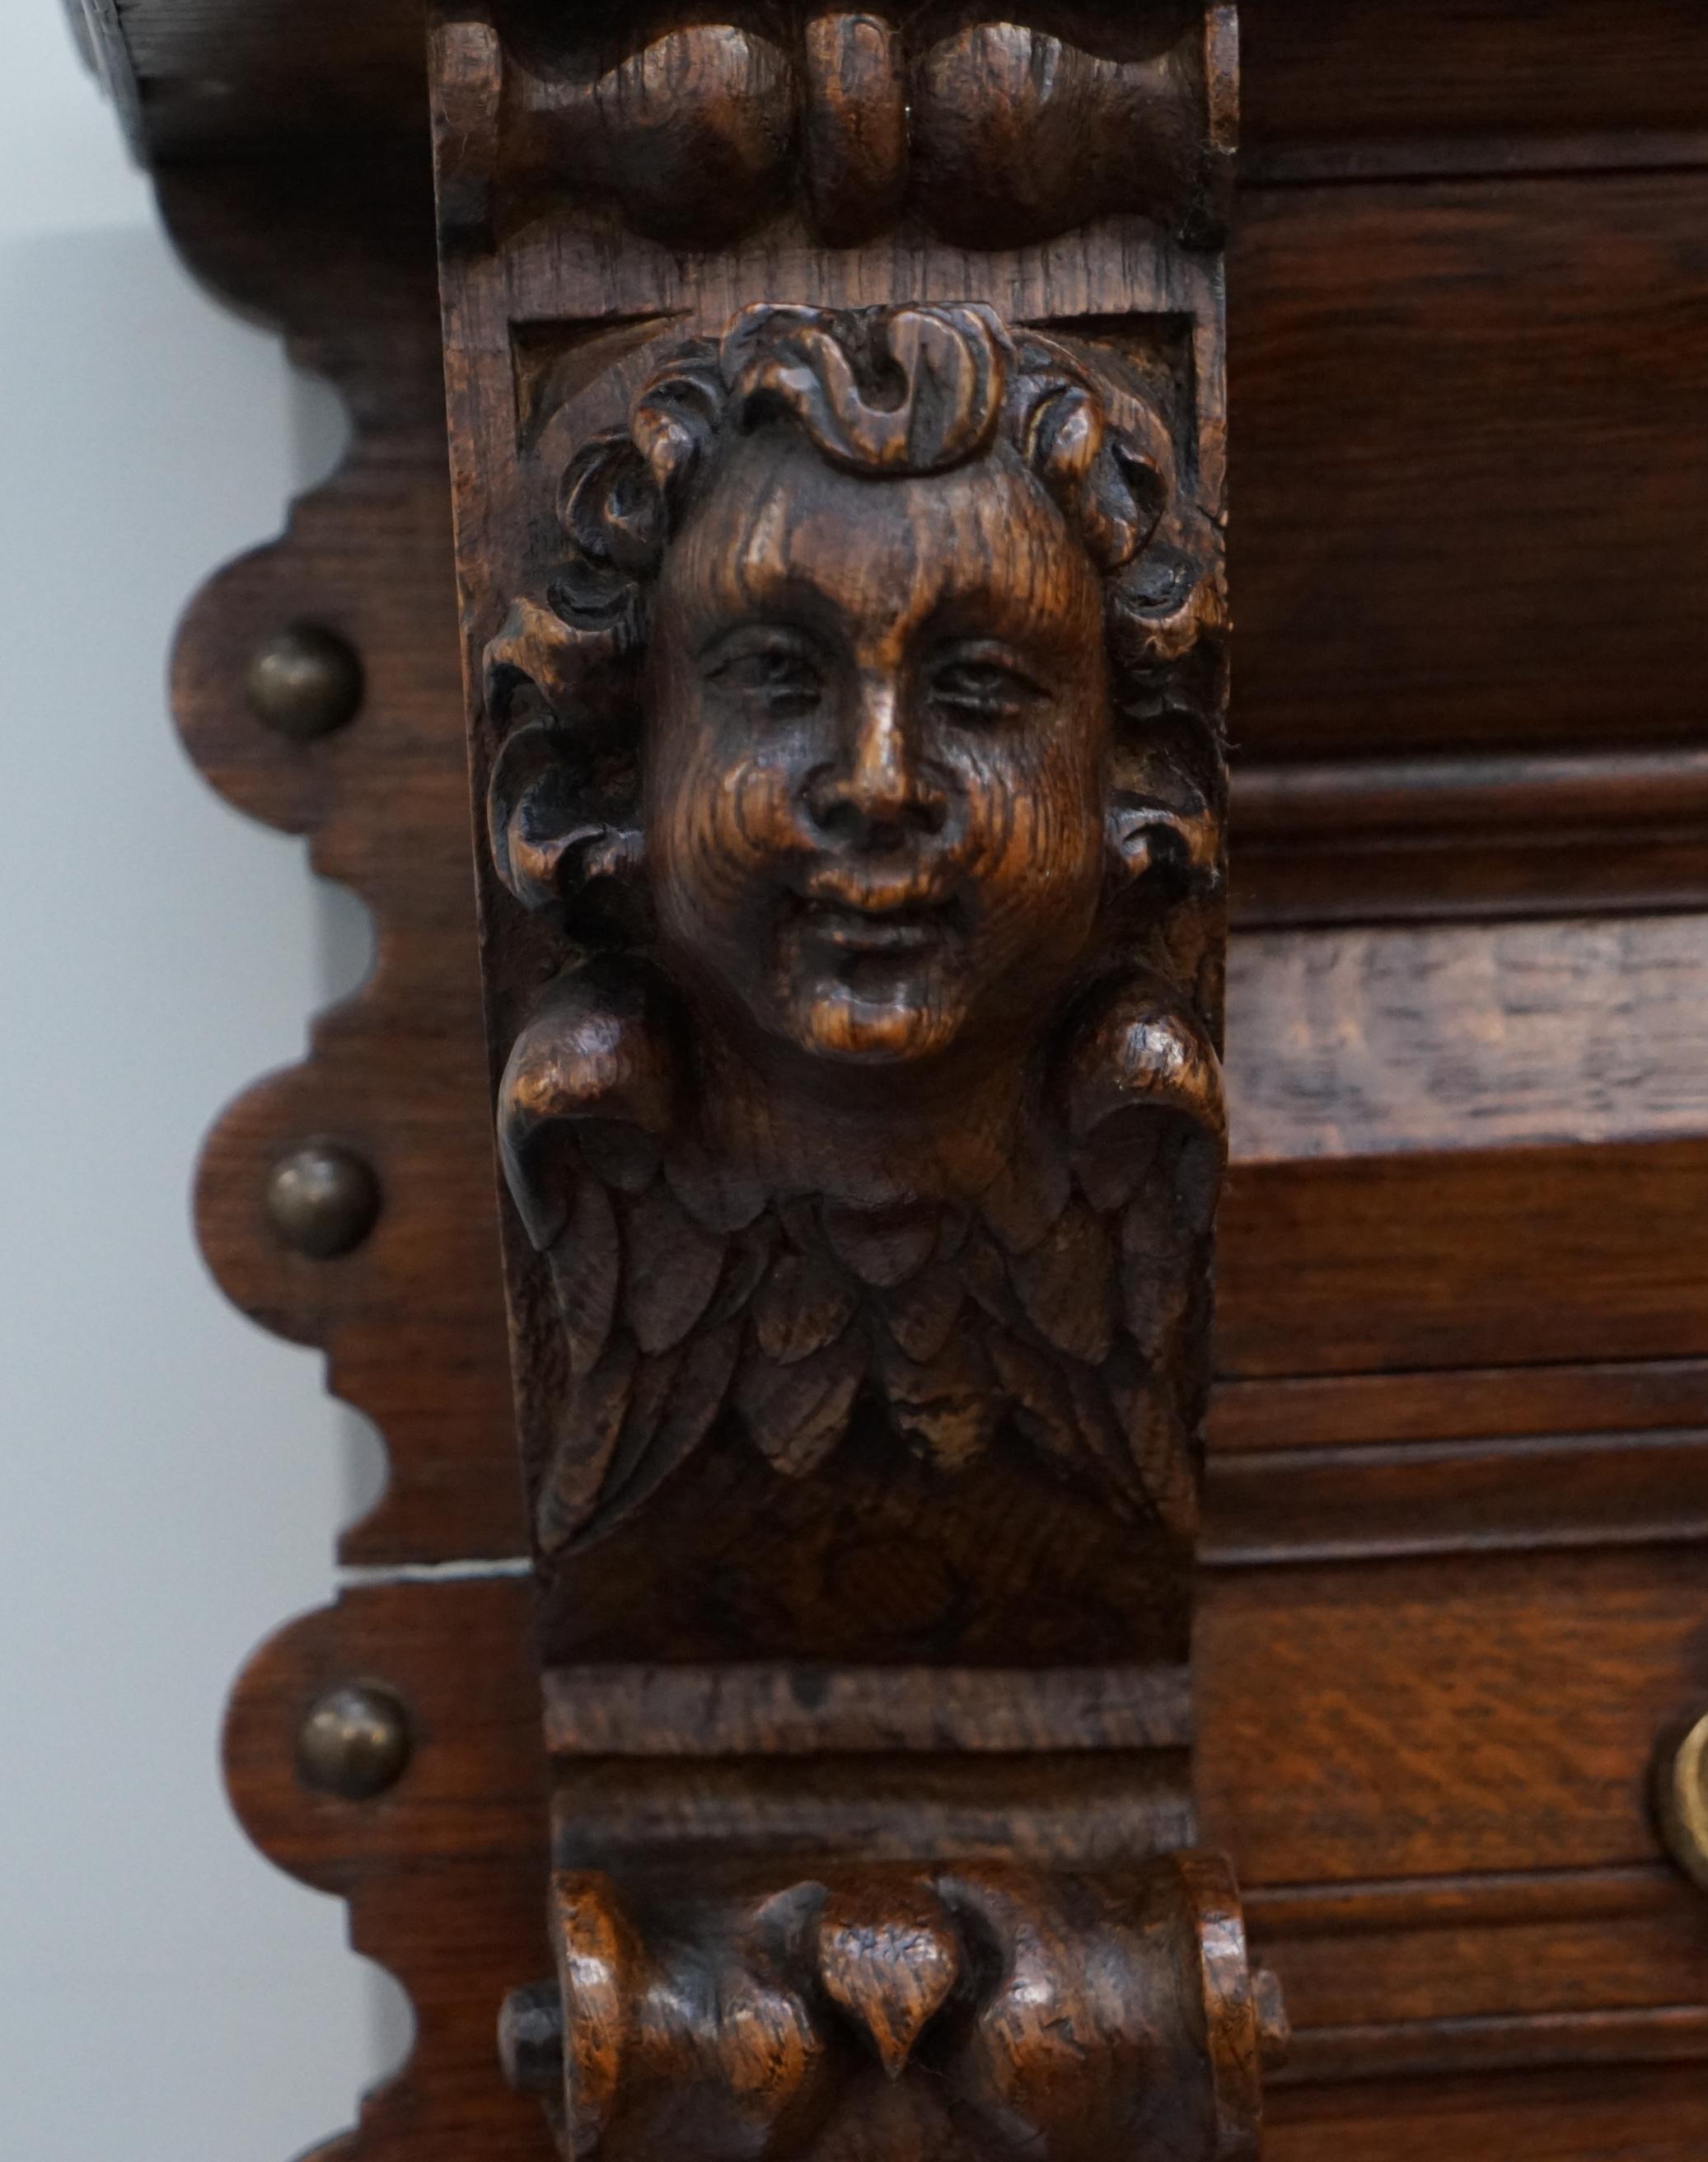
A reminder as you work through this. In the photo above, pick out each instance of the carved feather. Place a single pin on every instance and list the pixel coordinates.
(1044, 1411)
(747, 1256)
(804, 1303)
(585, 1264)
(590, 1429)
(672, 1268)
(948, 1410)
(1066, 1284)
(795, 1415)
(675, 1402)
(922, 1313)
(720, 1196)
(1028, 1195)
(1157, 1443)
(883, 1246)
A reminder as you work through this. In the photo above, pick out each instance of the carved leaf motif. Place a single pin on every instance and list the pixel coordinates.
(805, 1303)
(795, 1415)
(673, 1270)
(1066, 1283)
(883, 1246)
(585, 1261)
(890, 1959)
(592, 1425)
(921, 1313)
(948, 1410)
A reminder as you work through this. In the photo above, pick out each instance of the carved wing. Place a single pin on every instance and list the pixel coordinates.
(1090, 1266)
(651, 1270)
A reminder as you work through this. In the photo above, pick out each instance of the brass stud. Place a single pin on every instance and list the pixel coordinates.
(1681, 1797)
(322, 1200)
(303, 682)
(355, 1742)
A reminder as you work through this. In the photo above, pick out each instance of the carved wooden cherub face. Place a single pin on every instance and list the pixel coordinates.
(876, 746)
(839, 603)
(842, 740)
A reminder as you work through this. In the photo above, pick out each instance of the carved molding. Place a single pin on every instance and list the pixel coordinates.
(967, 2011)
(698, 132)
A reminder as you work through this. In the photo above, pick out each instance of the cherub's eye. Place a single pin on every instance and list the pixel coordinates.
(775, 673)
(978, 686)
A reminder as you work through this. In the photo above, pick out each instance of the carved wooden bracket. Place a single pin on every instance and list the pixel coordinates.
(837, 439)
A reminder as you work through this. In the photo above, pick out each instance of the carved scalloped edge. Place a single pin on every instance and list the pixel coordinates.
(469, 1805)
(397, 1072)
(343, 264)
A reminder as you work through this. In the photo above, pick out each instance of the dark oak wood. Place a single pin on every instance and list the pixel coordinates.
(1467, 691)
(983, 2010)
(1392, 85)
(844, 643)
(1409, 364)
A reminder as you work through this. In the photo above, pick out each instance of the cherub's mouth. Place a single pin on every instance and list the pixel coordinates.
(897, 930)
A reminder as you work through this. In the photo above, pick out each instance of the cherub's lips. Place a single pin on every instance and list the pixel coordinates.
(867, 914)
(896, 930)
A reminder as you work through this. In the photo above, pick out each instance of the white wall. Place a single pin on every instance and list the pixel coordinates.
(170, 1478)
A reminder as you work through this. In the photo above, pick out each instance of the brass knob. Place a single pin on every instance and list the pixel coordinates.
(303, 682)
(321, 1200)
(354, 1742)
(1681, 1797)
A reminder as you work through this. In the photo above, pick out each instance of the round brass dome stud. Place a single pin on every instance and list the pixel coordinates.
(354, 1743)
(1681, 1796)
(322, 1200)
(303, 682)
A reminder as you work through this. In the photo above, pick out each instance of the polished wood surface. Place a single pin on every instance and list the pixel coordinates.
(1457, 1444)
(846, 676)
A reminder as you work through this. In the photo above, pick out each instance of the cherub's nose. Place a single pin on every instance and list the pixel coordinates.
(876, 793)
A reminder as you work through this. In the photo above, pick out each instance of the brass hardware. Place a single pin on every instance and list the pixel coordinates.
(303, 682)
(322, 1200)
(1681, 1797)
(355, 1742)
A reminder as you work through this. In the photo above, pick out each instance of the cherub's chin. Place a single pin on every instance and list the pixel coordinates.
(876, 1023)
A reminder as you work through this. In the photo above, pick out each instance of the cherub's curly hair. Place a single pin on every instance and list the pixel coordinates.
(886, 392)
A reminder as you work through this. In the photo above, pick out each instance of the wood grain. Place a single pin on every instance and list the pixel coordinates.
(1416, 547)
(1478, 1258)
(683, 1710)
(1372, 1041)
(1414, 563)
(1411, 79)
(1475, 1714)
